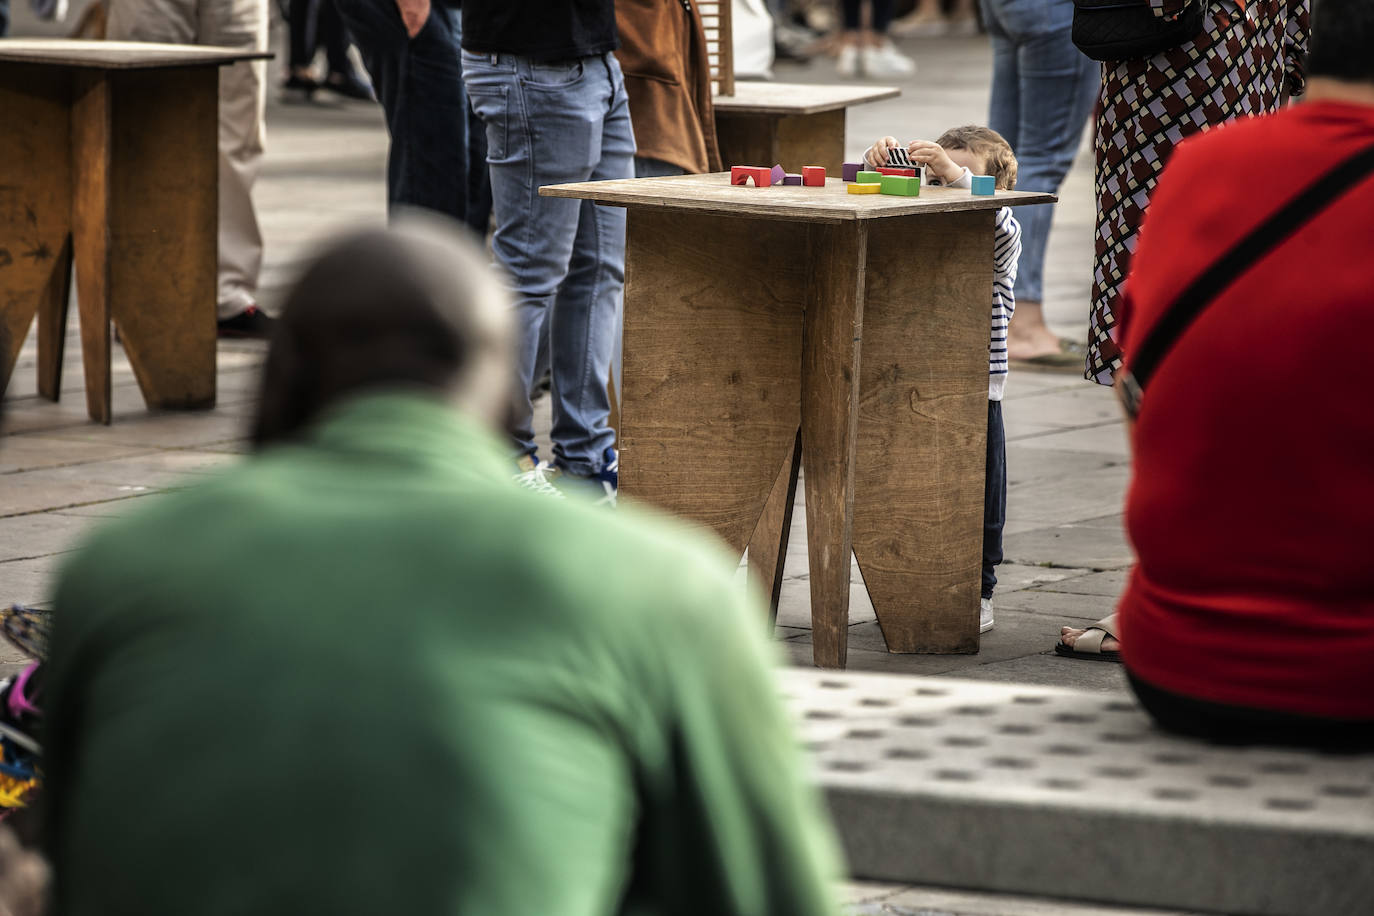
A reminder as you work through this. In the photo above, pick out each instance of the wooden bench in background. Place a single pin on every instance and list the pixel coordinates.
(108, 159)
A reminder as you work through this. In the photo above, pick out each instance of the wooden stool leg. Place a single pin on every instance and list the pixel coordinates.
(91, 147)
(918, 505)
(830, 390)
(52, 324)
(163, 226)
(35, 205)
(768, 546)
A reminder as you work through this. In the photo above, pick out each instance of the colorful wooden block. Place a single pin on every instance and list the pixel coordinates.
(901, 185)
(779, 174)
(813, 176)
(792, 178)
(864, 187)
(984, 185)
(889, 170)
(850, 170)
(867, 177)
(741, 174)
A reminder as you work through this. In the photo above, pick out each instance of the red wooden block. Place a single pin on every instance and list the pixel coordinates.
(740, 174)
(813, 176)
(905, 173)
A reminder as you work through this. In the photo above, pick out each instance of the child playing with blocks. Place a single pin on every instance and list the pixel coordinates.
(952, 161)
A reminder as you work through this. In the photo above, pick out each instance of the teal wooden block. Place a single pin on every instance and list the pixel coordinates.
(984, 185)
(902, 185)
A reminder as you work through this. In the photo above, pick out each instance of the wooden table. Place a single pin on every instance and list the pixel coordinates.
(788, 123)
(109, 158)
(768, 327)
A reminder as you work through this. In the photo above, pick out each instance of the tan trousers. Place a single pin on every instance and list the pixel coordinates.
(238, 24)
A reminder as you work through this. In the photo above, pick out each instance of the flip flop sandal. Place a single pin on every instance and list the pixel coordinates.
(1089, 645)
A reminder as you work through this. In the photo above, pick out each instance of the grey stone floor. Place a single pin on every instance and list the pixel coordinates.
(324, 171)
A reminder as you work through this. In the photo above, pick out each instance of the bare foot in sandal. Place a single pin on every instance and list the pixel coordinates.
(1070, 635)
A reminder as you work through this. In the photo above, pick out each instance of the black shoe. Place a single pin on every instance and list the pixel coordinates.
(349, 86)
(251, 322)
(299, 84)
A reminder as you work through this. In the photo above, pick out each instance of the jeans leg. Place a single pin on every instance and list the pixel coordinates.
(302, 32)
(479, 179)
(419, 82)
(588, 308)
(1058, 86)
(1004, 111)
(994, 497)
(4, 17)
(329, 28)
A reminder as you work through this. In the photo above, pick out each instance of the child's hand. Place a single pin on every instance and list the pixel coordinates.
(876, 156)
(934, 157)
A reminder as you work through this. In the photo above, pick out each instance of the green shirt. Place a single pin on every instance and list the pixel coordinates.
(368, 674)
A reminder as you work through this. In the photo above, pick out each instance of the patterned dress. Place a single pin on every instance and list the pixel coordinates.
(1245, 61)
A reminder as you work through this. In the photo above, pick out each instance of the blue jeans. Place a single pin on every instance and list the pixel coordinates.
(1043, 90)
(994, 497)
(550, 123)
(438, 149)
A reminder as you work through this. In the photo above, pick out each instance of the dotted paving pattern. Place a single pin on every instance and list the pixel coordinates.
(1008, 787)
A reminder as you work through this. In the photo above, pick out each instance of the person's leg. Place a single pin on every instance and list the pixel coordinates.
(419, 82)
(342, 77)
(4, 18)
(994, 497)
(587, 307)
(881, 16)
(1058, 86)
(534, 235)
(847, 61)
(301, 32)
(1004, 110)
(242, 105)
(881, 58)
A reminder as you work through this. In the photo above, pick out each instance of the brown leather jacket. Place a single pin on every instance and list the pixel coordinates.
(663, 54)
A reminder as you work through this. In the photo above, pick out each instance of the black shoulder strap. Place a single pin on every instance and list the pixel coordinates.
(1190, 303)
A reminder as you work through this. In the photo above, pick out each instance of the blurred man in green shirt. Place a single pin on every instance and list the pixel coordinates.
(352, 675)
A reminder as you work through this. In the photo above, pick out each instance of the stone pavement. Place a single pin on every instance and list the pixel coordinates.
(1067, 457)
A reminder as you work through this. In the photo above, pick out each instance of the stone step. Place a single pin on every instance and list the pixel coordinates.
(1070, 794)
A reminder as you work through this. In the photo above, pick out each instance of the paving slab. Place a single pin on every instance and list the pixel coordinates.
(875, 899)
(26, 582)
(39, 535)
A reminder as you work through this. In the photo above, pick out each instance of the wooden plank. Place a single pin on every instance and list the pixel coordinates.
(918, 503)
(768, 546)
(35, 198)
(714, 193)
(119, 55)
(747, 141)
(713, 332)
(830, 389)
(761, 97)
(816, 139)
(163, 224)
(91, 149)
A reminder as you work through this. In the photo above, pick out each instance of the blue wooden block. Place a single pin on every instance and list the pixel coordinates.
(984, 185)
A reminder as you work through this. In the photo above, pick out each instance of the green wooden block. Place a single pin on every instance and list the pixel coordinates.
(902, 185)
(869, 177)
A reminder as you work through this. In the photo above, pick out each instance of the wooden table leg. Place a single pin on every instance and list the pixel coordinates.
(35, 213)
(830, 389)
(918, 505)
(768, 546)
(712, 373)
(792, 140)
(162, 212)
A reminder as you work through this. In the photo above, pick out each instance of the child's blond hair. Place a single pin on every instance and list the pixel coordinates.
(988, 145)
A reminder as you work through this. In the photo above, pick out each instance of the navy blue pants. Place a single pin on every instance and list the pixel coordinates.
(438, 157)
(994, 497)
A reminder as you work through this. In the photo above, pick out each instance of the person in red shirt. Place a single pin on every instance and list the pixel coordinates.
(1249, 616)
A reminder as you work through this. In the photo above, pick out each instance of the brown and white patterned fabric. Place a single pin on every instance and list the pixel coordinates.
(1246, 61)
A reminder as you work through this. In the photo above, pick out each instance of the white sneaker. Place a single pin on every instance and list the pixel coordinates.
(985, 615)
(847, 64)
(886, 60)
(537, 477)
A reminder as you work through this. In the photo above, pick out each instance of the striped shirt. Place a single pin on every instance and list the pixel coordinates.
(1006, 252)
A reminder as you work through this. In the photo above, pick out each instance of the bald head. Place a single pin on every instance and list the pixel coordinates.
(416, 305)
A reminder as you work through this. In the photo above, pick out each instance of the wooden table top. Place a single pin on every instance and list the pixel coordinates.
(753, 98)
(833, 203)
(118, 55)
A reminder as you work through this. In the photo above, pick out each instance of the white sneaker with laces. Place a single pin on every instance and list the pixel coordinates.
(985, 615)
(886, 60)
(537, 476)
(847, 64)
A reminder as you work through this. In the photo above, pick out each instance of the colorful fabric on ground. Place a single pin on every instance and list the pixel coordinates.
(1245, 63)
(368, 674)
(1251, 506)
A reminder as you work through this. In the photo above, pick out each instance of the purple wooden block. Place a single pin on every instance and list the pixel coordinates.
(779, 173)
(789, 178)
(851, 170)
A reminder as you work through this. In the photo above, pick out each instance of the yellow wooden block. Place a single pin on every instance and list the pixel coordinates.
(858, 188)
